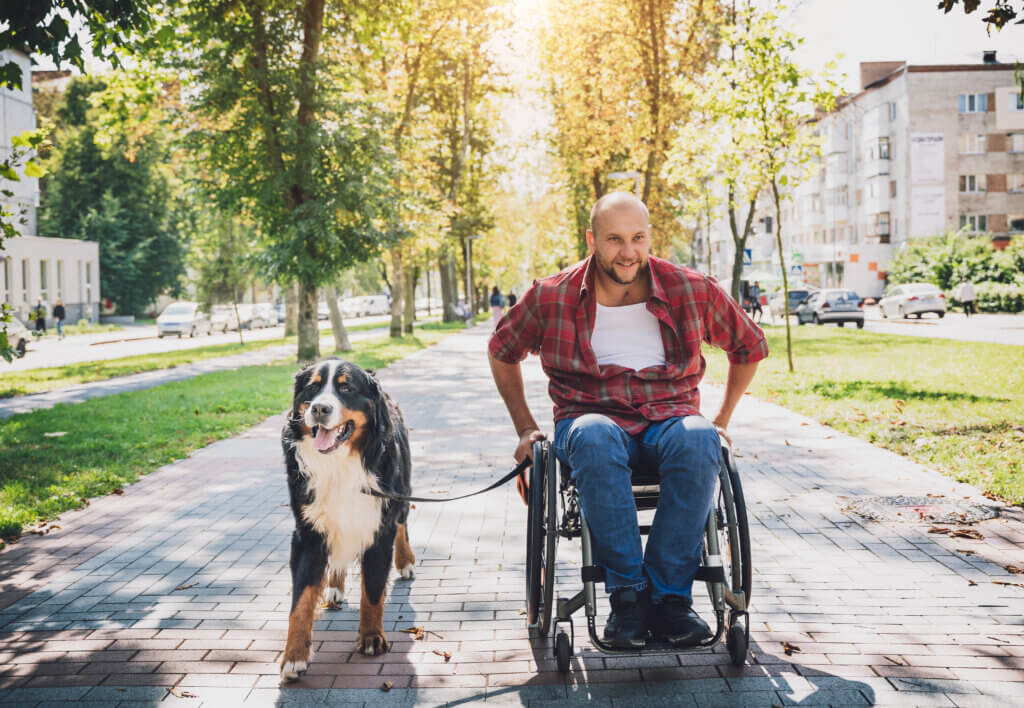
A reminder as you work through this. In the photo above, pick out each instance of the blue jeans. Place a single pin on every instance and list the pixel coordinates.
(60, 328)
(686, 452)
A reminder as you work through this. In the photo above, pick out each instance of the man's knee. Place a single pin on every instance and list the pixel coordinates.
(693, 437)
(594, 430)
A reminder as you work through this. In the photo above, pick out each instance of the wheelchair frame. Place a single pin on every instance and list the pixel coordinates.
(553, 511)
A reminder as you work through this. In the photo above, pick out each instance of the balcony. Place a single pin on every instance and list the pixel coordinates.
(836, 141)
(876, 122)
(875, 167)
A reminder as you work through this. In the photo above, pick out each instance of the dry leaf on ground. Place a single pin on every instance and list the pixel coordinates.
(182, 693)
(186, 587)
(386, 686)
(332, 605)
(939, 529)
(790, 648)
(970, 582)
(968, 533)
(1003, 582)
(416, 632)
(1015, 569)
(446, 654)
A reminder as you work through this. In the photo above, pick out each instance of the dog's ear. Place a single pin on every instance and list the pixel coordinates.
(382, 425)
(301, 381)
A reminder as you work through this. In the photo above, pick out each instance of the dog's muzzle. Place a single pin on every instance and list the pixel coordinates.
(327, 440)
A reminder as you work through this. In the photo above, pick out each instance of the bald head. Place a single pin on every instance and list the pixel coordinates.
(614, 201)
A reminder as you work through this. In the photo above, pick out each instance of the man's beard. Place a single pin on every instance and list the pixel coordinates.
(609, 270)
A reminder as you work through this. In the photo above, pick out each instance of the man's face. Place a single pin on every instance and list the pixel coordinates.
(622, 244)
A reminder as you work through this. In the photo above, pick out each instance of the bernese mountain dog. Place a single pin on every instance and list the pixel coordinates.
(344, 437)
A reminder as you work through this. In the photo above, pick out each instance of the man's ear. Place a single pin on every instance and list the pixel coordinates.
(590, 240)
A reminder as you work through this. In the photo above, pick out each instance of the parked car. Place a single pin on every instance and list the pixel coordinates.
(832, 305)
(912, 299)
(322, 312)
(17, 336)
(265, 313)
(248, 317)
(279, 310)
(183, 318)
(223, 318)
(796, 296)
(362, 305)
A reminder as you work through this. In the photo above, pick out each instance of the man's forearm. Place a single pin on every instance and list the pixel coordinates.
(509, 380)
(740, 376)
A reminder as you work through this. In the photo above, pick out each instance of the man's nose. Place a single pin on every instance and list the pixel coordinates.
(321, 410)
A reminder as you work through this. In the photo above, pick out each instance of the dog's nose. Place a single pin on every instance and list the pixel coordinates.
(321, 410)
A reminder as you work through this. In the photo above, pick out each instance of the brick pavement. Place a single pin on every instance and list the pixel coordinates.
(179, 587)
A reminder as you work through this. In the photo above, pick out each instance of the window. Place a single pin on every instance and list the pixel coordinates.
(5, 280)
(883, 148)
(1016, 102)
(1015, 223)
(1015, 182)
(972, 143)
(974, 222)
(972, 183)
(43, 280)
(973, 103)
(24, 280)
(892, 111)
(60, 279)
(1016, 142)
(88, 282)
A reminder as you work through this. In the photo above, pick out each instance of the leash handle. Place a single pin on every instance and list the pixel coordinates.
(398, 497)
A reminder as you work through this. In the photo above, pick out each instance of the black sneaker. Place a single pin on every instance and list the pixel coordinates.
(627, 624)
(673, 620)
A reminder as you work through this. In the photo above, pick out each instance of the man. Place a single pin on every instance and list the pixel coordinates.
(59, 314)
(619, 337)
(967, 296)
(39, 312)
(755, 301)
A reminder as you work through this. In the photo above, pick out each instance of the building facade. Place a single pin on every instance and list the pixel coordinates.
(33, 267)
(919, 151)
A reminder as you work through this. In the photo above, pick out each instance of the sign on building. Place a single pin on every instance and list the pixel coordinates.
(928, 184)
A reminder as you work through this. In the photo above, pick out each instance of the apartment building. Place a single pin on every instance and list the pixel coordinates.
(919, 151)
(34, 267)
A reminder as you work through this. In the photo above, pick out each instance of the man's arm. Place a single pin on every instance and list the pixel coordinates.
(509, 380)
(740, 376)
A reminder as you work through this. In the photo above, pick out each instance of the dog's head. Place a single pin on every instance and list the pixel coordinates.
(339, 406)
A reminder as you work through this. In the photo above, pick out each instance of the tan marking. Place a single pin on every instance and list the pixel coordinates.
(316, 378)
(358, 438)
(336, 580)
(306, 430)
(404, 557)
(372, 640)
(342, 378)
(299, 645)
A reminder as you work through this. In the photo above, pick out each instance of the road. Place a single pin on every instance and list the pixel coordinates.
(1000, 329)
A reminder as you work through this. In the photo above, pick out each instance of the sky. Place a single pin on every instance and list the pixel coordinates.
(893, 30)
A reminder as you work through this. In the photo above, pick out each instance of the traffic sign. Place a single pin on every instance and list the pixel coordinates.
(796, 270)
(748, 256)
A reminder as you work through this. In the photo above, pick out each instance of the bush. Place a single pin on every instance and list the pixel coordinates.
(1000, 297)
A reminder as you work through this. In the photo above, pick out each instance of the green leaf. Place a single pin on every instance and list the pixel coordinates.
(33, 169)
(8, 172)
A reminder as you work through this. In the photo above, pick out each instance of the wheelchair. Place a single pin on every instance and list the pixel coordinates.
(553, 512)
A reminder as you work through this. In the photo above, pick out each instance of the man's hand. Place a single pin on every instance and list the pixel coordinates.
(526, 441)
(720, 427)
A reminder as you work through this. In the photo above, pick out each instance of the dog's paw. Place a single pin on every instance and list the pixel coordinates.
(407, 572)
(373, 644)
(290, 670)
(333, 596)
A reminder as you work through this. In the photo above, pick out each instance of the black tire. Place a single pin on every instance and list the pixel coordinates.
(541, 539)
(21, 348)
(860, 324)
(817, 320)
(563, 652)
(841, 324)
(736, 643)
(192, 333)
(737, 532)
(941, 314)
(881, 311)
(534, 532)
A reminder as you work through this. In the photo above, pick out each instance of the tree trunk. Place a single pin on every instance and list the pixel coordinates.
(238, 320)
(309, 330)
(291, 311)
(409, 289)
(397, 275)
(341, 343)
(739, 239)
(448, 300)
(782, 264)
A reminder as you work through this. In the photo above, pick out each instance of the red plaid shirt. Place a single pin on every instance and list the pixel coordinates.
(555, 318)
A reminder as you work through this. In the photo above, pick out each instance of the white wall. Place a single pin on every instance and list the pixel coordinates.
(17, 116)
(33, 267)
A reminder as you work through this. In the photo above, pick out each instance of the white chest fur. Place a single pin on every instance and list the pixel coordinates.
(347, 517)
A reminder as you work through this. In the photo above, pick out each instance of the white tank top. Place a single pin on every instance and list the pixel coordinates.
(629, 336)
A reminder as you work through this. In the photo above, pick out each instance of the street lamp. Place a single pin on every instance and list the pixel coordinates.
(470, 301)
(634, 175)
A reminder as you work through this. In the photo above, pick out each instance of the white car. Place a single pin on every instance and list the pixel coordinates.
(183, 318)
(912, 299)
(17, 335)
(223, 318)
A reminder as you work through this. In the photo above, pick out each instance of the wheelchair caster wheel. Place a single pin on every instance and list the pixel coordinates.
(563, 652)
(736, 643)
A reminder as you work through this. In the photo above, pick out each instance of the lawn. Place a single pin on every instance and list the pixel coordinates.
(957, 407)
(19, 383)
(105, 443)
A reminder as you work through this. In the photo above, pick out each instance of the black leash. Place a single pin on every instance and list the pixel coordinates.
(398, 497)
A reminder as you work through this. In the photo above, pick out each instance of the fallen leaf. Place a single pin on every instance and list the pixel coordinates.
(416, 632)
(971, 583)
(435, 634)
(965, 551)
(185, 587)
(804, 423)
(1015, 569)
(790, 648)
(446, 654)
(1003, 582)
(522, 612)
(787, 443)
(117, 491)
(58, 434)
(182, 693)
(936, 496)
(386, 686)
(332, 605)
(968, 533)
(939, 529)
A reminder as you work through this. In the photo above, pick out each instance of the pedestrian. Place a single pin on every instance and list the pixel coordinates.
(511, 297)
(966, 295)
(619, 336)
(59, 315)
(39, 312)
(755, 301)
(497, 305)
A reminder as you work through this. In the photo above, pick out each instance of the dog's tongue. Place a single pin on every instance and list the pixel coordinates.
(324, 438)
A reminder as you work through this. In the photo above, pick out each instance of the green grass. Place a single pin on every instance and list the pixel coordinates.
(19, 383)
(957, 407)
(109, 442)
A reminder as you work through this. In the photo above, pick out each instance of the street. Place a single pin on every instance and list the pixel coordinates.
(996, 328)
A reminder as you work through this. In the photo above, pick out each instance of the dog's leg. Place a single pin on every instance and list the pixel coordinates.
(308, 563)
(376, 566)
(335, 586)
(404, 557)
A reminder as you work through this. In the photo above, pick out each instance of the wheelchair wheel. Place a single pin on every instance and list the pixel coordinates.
(541, 539)
(563, 652)
(734, 541)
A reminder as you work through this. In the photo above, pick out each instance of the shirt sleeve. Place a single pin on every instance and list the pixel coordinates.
(728, 327)
(519, 332)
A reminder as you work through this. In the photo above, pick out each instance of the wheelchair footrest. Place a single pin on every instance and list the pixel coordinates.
(710, 574)
(592, 573)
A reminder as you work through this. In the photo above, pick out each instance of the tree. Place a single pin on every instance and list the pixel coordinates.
(111, 182)
(282, 115)
(999, 12)
(219, 258)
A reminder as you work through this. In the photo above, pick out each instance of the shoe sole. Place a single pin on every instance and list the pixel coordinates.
(685, 640)
(626, 643)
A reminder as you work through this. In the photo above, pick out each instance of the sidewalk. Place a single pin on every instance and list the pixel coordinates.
(182, 582)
